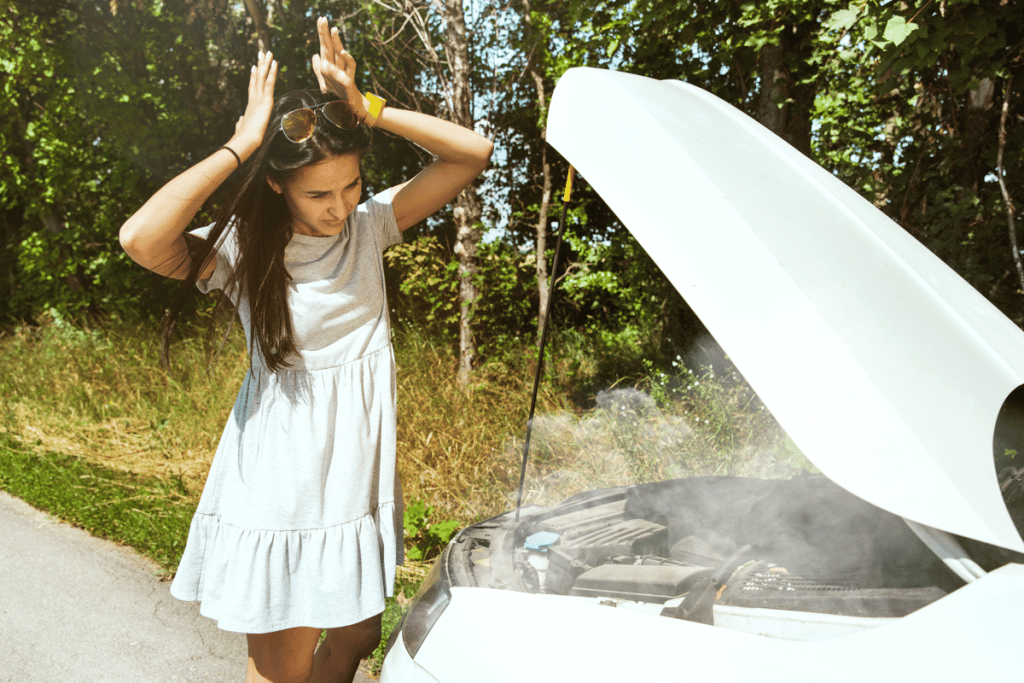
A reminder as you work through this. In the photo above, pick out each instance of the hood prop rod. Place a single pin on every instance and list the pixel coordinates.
(544, 337)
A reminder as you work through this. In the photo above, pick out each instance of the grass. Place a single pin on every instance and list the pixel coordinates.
(686, 426)
(95, 431)
(150, 514)
(452, 443)
(102, 396)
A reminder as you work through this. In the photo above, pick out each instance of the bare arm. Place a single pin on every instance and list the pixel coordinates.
(153, 235)
(462, 154)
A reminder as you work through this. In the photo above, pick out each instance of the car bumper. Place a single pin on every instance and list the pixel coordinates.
(399, 667)
(509, 635)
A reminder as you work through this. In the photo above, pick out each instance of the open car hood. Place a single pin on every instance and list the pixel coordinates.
(883, 365)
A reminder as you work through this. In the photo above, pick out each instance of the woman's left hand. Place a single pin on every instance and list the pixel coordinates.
(335, 68)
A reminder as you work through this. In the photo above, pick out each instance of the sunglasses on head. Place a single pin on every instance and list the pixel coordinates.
(298, 125)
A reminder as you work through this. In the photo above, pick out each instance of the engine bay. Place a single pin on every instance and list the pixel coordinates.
(689, 548)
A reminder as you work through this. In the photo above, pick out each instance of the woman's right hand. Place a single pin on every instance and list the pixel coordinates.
(252, 125)
(152, 236)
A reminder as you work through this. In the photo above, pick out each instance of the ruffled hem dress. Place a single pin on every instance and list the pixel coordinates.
(300, 521)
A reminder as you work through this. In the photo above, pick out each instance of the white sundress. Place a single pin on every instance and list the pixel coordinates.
(300, 521)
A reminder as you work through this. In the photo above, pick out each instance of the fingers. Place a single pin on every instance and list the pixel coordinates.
(263, 77)
(269, 74)
(336, 43)
(342, 59)
(319, 74)
(252, 81)
(335, 69)
(326, 46)
(331, 49)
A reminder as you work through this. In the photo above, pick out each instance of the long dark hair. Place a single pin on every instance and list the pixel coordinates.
(263, 228)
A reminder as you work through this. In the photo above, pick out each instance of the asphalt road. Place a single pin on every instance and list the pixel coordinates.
(77, 608)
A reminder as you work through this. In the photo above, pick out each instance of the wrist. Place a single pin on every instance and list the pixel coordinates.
(373, 106)
(243, 147)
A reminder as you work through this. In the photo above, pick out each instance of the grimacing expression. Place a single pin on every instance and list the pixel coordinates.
(320, 197)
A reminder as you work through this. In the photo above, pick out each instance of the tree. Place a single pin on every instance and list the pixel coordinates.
(87, 84)
(921, 131)
(904, 102)
(757, 56)
(415, 29)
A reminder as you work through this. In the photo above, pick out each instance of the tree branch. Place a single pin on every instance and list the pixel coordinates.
(262, 34)
(1010, 211)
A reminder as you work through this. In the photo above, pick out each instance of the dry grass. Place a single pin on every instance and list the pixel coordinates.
(452, 443)
(699, 427)
(103, 397)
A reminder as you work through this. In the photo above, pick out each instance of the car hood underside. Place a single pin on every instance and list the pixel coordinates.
(884, 366)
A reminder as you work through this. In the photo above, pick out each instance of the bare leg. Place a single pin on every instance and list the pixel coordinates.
(338, 657)
(283, 656)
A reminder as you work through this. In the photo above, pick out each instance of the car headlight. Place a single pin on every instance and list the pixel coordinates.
(432, 599)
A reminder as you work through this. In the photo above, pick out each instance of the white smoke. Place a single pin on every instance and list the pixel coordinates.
(628, 439)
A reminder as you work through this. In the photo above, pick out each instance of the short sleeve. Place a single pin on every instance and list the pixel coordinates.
(227, 255)
(382, 218)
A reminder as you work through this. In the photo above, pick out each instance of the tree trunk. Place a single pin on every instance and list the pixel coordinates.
(541, 228)
(467, 238)
(774, 89)
(262, 32)
(789, 122)
(468, 208)
(542, 213)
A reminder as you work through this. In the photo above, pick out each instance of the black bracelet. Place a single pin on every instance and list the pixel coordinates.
(233, 152)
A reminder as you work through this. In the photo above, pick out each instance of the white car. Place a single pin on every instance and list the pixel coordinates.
(888, 371)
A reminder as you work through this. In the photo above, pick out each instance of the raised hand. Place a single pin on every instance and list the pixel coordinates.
(335, 68)
(252, 125)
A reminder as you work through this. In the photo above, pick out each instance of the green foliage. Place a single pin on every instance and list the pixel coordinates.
(61, 186)
(425, 538)
(909, 116)
(423, 290)
(427, 286)
(150, 514)
(612, 308)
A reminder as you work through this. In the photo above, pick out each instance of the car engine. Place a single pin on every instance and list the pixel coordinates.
(688, 548)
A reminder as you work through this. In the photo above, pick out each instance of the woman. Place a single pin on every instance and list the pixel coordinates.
(299, 525)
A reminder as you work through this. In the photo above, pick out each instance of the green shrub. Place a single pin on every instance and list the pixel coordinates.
(424, 538)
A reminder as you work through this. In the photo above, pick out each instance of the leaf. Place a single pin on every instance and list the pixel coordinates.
(897, 30)
(443, 531)
(841, 20)
(613, 46)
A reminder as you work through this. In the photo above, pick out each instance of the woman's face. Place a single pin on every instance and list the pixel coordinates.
(320, 197)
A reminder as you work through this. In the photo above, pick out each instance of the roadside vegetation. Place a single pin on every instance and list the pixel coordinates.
(96, 432)
(99, 396)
